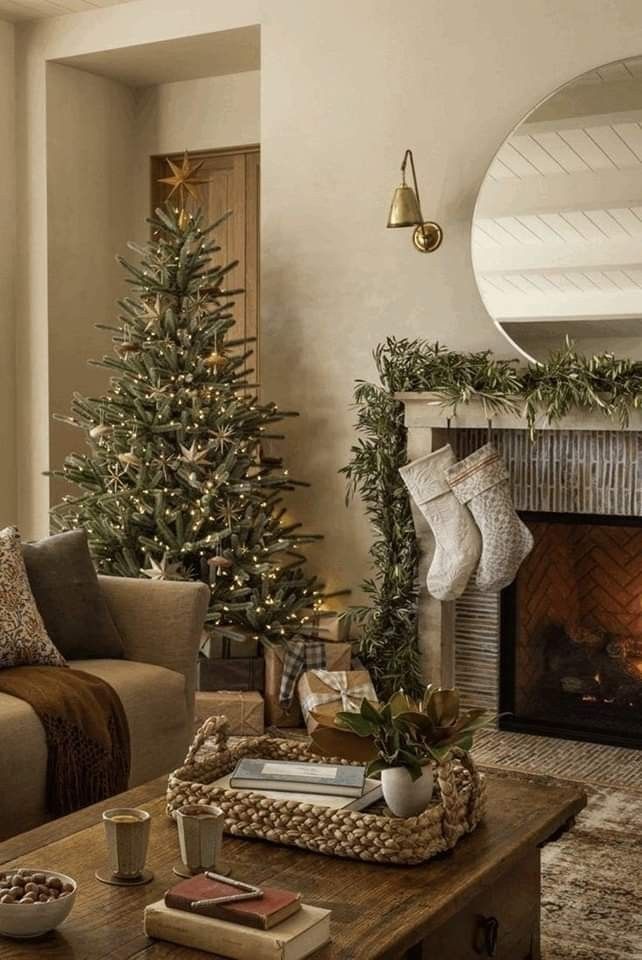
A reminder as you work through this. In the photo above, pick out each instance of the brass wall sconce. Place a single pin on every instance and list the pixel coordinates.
(405, 211)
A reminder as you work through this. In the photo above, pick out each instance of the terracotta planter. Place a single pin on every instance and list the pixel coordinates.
(404, 796)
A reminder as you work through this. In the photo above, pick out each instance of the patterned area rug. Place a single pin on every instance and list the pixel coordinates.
(592, 876)
(591, 882)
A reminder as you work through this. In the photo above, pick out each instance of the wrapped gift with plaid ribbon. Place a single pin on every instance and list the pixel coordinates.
(283, 667)
(326, 692)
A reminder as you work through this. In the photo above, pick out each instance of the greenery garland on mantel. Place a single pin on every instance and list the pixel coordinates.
(567, 381)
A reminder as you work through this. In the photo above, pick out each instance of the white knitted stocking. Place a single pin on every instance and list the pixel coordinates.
(481, 483)
(457, 539)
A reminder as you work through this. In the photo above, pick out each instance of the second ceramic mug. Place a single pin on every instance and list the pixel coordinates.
(200, 836)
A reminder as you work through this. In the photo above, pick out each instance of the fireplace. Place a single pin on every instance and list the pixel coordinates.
(571, 631)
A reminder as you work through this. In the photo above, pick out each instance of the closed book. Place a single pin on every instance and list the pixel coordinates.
(293, 939)
(337, 779)
(372, 793)
(261, 912)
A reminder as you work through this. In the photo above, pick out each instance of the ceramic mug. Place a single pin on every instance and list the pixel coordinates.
(200, 836)
(127, 833)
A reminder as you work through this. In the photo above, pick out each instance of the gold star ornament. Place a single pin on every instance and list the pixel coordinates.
(183, 179)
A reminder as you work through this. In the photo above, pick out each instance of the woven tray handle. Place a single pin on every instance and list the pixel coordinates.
(455, 820)
(475, 796)
(214, 729)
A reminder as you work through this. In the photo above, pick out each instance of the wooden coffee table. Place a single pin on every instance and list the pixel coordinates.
(449, 908)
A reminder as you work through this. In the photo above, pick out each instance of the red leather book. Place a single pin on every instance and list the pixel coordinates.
(262, 913)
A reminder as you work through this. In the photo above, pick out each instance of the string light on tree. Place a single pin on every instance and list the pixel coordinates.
(171, 486)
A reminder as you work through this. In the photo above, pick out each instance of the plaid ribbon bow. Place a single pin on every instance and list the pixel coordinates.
(301, 655)
(341, 687)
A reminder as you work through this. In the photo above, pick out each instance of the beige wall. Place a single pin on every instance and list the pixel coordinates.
(203, 114)
(38, 43)
(8, 505)
(90, 158)
(206, 113)
(100, 135)
(344, 88)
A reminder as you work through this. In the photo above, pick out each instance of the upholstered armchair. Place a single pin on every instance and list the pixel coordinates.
(160, 623)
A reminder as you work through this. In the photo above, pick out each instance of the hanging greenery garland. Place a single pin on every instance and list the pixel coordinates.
(566, 381)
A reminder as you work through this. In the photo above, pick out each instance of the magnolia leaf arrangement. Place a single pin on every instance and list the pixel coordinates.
(566, 381)
(402, 732)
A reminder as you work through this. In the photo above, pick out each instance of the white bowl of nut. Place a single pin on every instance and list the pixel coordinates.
(32, 901)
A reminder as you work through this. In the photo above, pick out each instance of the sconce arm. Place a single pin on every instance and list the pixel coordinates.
(406, 157)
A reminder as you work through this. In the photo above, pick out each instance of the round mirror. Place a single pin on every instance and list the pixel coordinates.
(557, 229)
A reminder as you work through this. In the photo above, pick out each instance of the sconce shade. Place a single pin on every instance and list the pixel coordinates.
(404, 209)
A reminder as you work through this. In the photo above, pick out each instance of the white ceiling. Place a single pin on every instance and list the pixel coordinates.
(15, 10)
(183, 58)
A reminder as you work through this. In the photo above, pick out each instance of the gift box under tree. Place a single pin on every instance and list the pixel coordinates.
(244, 710)
(284, 664)
(326, 692)
(228, 660)
(329, 626)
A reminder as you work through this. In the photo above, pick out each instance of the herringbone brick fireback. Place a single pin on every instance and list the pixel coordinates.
(564, 471)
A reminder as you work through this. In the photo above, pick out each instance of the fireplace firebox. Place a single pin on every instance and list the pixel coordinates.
(571, 631)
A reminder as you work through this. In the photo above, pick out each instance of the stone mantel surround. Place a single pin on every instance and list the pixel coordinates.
(426, 412)
(429, 428)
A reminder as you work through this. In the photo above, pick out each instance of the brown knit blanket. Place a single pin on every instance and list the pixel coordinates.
(86, 732)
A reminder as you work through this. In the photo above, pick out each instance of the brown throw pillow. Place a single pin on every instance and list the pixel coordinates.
(23, 638)
(68, 595)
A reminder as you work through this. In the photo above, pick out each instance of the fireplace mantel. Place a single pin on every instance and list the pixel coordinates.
(426, 419)
(427, 410)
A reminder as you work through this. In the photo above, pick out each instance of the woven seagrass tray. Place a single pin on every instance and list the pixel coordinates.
(457, 807)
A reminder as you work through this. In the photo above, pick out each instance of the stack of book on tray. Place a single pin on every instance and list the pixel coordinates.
(271, 924)
(323, 784)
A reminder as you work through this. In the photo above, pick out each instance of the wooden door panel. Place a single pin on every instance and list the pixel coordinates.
(252, 273)
(232, 184)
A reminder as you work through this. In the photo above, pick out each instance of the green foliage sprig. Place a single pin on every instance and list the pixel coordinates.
(566, 381)
(402, 732)
(569, 381)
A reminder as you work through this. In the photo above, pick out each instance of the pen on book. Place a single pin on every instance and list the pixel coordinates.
(247, 892)
(234, 883)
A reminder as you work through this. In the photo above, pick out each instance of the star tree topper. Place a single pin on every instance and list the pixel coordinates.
(183, 179)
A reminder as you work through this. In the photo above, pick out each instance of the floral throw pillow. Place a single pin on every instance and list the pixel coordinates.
(23, 638)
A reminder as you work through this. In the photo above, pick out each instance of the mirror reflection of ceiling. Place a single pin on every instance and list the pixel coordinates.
(557, 230)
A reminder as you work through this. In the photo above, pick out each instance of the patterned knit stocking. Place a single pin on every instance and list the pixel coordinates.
(481, 483)
(457, 540)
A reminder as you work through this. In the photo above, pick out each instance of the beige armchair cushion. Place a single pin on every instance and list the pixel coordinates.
(23, 754)
(160, 622)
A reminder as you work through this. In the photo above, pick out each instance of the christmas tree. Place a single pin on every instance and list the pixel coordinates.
(176, 483)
